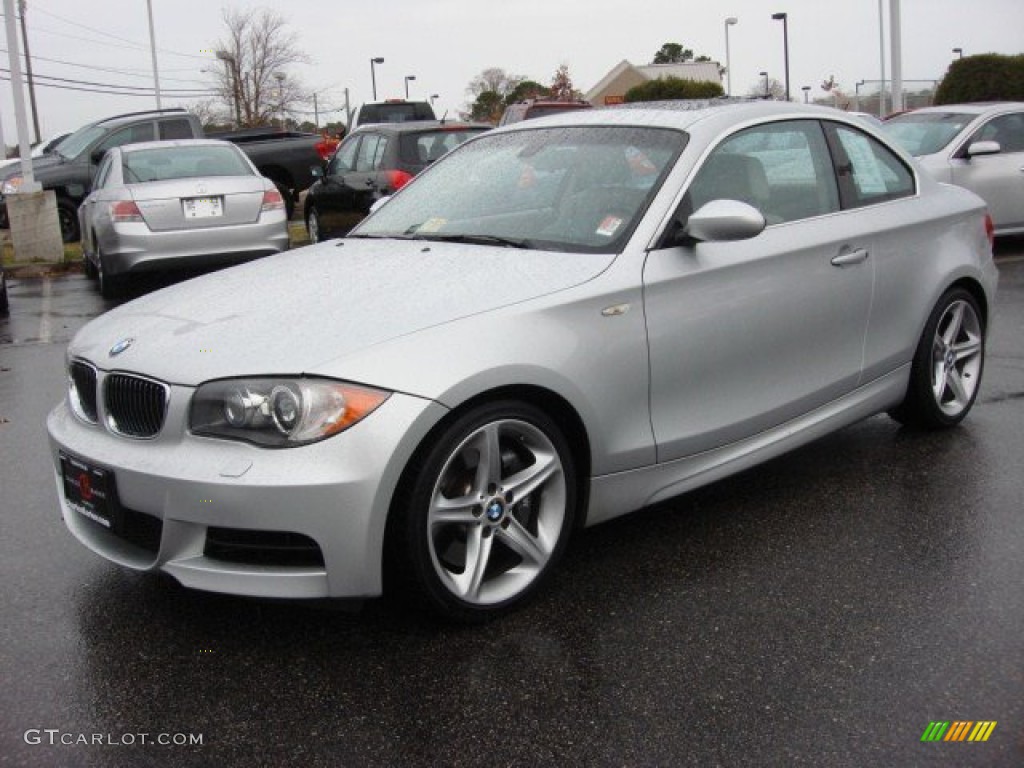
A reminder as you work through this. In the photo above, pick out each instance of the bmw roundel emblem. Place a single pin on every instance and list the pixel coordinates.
(121, 346)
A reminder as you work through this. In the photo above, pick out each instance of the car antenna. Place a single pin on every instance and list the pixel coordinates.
(444, 117)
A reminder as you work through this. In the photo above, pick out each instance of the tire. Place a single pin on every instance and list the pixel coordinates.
(313, 226)
(485, 514)
(111, 286)
(5, 308)
(87, 264)
(67, 217)
(946, 371)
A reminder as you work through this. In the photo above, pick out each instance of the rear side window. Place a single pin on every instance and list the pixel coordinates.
(868, 171)
(371, 152)
(424, 148)
(175, 129)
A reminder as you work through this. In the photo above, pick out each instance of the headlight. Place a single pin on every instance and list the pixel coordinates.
(11, 186)
(280, 412)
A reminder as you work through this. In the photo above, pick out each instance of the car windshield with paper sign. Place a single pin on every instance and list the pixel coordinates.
(576, 189)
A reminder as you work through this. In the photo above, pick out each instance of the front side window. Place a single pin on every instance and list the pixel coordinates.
(579, 189)
(133, 134)
(1007, 130)
(868, 171)
(782, 169)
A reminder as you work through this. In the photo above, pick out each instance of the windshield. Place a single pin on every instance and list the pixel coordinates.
(183, 162)
(580, 189)
(79, 141)
(924, 133)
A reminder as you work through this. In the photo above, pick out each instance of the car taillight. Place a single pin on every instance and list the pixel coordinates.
(125, 210)
(272, 201)
(990, 230)
(398, 179)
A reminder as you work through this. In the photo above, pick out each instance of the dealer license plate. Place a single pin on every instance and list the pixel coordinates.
(202, 207)
(90, 491)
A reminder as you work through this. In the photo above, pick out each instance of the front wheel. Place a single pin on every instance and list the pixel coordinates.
(947, 367)
(488, 513)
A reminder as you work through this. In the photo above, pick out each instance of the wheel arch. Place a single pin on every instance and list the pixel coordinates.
(974, 288)
(546, 400)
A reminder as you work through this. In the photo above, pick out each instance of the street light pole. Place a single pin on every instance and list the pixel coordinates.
(407, 79)
(279, 76)
(232, 65)
(152, 48)
(806, 89)
(784, 18)
(959, 52)
(373, 74)
(767, 93)
(728, 65)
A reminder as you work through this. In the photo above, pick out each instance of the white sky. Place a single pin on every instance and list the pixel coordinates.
(445, 43)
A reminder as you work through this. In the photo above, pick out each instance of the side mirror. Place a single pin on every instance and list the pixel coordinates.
(979, 148)
(722, 221)
(379, 203)
(316, 171)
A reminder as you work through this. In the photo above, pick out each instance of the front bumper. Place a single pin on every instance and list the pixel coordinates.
(189, 490)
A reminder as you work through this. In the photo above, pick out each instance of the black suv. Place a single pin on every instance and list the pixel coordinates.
(373, 162)
(69, 169)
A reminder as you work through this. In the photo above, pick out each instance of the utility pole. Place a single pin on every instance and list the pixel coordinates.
(28, 71)
(316, 114)
(896, 51)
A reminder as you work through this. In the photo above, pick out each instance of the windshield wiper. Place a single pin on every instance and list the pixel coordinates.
(504, 242)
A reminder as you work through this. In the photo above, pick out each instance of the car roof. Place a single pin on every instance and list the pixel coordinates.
(974, 108)
(686, 115)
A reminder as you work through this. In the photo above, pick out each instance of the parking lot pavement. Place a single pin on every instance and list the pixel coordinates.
(821, 610)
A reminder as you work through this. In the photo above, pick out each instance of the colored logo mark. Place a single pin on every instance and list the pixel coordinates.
(959, 730)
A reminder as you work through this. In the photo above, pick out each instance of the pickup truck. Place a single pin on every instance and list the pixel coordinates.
(286, 158)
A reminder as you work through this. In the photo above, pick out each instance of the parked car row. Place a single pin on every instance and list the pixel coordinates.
(554, 324)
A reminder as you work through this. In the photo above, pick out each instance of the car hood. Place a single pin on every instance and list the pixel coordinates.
(298, 311)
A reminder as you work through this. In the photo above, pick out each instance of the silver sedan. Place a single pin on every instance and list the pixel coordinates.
(558, 323)
(977, 146)
(168, 204)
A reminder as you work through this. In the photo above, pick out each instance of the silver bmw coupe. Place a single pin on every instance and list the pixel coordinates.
(558, 323)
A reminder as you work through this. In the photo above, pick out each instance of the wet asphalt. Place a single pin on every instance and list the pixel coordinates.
(820, 610)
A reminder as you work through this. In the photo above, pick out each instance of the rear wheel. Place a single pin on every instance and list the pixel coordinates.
(111, 286)
(313, 226)
(67, 217)
(487, 515)
(947, 366)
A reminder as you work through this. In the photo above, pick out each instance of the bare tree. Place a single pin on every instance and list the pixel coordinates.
(253, 59)
(561, 85)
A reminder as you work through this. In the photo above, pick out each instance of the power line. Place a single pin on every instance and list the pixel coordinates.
(114, 85)
(113, 70)
(148, 94)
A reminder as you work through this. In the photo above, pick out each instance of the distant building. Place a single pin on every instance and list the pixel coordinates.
(612, 87)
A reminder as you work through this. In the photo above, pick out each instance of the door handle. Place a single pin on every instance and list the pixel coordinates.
(850, 257)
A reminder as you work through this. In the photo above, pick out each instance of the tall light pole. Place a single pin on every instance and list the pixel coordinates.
(896, 52)
(728, 65)
(232, 64)
(279, 76)
(767, 93)
(784, 18)
(959, 52)
(856, 93)
(407, 79)
(806, 89)
(434, 97)
(373, 74)
(881, 60)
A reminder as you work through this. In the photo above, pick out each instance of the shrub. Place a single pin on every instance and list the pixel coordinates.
(665, 88)
(987, 77)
